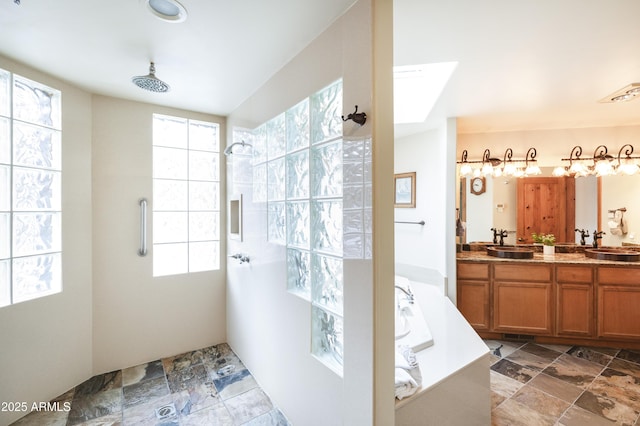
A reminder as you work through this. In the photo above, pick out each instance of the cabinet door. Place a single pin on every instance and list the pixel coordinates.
(574, 302)
(522, 307)
(618, 302)
(473, 302)
(575, 309)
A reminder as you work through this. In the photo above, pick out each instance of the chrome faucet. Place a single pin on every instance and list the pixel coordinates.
(596, 236)
(407, 292)
(583, 235)
(241, 257)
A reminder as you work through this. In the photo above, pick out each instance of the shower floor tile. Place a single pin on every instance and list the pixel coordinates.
(202, 387)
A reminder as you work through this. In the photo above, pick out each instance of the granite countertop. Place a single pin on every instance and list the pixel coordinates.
(568, 258)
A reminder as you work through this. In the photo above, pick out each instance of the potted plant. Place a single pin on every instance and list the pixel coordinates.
(536, 238)
(548, 243)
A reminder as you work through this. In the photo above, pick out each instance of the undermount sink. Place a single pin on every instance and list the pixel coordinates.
(620, 255)
(510, 252)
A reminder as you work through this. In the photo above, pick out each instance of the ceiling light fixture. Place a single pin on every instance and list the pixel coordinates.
(167, 10)
(627, 93)
(150, 82)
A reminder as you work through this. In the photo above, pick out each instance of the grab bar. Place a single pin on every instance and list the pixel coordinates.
(143, 227)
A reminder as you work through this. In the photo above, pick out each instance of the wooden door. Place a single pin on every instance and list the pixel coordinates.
(546, 205)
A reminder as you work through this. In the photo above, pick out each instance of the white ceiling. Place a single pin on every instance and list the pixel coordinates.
(522, 64)
(213, 61)
(526, 64)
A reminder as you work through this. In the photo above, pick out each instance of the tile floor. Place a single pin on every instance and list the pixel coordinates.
(535, 384)
(209, 386)
(531, 384)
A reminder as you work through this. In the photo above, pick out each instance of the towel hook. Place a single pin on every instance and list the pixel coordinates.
(357, 117)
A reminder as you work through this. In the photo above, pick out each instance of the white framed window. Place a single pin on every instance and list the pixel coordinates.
(186, 196)
(30, 189)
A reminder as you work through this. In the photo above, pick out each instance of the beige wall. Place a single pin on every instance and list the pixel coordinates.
(138, 318)
(111, 313)
(45, 344)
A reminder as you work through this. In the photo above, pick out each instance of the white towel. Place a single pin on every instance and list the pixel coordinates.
(407, 367)
(406, 359)
(405, 384)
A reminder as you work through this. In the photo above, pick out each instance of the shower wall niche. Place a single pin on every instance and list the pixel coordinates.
(317, 188)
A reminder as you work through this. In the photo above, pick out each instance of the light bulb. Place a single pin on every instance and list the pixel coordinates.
(559, 171)
(466, 170)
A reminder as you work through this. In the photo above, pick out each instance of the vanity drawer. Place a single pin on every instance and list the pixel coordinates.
(624, 275)
(522, 273)
(574, 274)
(473, 271)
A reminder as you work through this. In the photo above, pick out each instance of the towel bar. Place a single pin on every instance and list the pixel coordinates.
(422, 222)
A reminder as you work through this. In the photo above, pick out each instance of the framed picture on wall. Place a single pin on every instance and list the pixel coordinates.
(405, 190)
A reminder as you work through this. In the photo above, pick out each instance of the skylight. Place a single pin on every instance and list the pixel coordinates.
(417, 88)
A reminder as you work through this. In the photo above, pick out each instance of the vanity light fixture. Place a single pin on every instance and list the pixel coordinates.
(492, 166)
(576, 166)
(465, 168)
(531, 164)
(167, 10)
(627, 165)
(509, 168)
(627, 93)
(602, 162)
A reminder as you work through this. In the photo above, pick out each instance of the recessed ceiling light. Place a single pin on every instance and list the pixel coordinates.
(416, 88)
(627, 93)
(167, 10)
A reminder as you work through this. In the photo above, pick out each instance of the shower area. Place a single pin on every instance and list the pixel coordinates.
(303, 191)
(300, 312)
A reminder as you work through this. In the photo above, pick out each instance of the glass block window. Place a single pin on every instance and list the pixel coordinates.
(299, 171)
(30, 189)
(186, 196)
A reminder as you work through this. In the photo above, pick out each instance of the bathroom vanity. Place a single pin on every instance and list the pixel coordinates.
(565, 298)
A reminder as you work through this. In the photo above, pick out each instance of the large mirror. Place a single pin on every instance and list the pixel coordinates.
(597, 203)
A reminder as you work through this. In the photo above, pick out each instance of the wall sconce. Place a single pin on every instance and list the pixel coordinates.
(488, 163)
(602, 162)
(627, 166)
(465, 169)
(531, 164)
(492, 166)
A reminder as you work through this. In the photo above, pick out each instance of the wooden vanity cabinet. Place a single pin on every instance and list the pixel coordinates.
(473, 294)
(618, 303)
(574, 301)
(522, 298)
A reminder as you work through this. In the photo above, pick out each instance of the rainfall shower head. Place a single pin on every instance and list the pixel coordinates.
(229, 150)
(150, 82)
